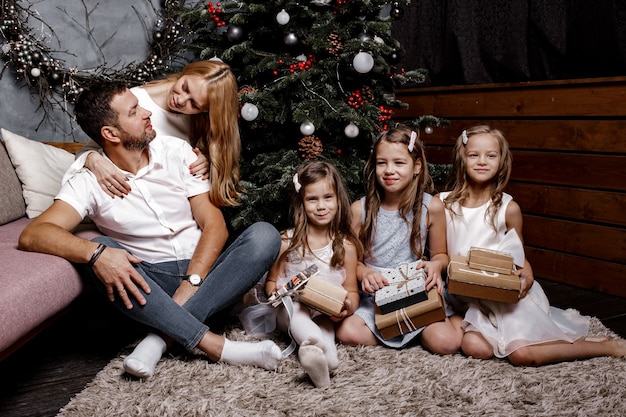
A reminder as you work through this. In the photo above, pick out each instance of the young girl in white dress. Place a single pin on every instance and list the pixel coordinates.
(479, 213)
(398, 221)
(321, 236)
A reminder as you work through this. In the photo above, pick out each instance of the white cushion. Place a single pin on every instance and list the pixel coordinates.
(39, 167)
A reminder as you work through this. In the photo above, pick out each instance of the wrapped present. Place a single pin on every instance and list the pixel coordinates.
(410, 318)
(486, 285)
(295, 283)
(323, 296)
(406, 287)
(490, 260)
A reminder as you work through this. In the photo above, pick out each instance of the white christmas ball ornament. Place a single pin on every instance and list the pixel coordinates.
(351, 130)
(249, 112)
(307, 128)
(363, 62)
(216, 58)
(428, 130)
(35, 72)
(6, 48)
(291, 39)
(282, 17)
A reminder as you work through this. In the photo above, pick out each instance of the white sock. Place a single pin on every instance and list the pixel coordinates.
(315, 364)
(265, 354)
(330, 347)
(142, 361)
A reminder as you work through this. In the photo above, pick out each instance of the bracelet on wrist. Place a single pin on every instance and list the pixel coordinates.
(96, 254)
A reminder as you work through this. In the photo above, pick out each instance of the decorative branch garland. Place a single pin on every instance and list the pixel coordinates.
(27, 56)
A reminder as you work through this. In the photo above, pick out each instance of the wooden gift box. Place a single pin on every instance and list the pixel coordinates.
(490, 260)
(323, 296)
(410, 318)
(406, 287)
(470, 282)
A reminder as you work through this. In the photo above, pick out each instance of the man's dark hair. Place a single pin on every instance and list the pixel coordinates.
(93, 107)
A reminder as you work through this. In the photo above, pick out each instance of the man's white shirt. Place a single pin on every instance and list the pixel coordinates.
(154, 221)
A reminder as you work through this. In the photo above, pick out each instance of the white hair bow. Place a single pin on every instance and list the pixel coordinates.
(464, 136)
(412, 141)
(296, 183)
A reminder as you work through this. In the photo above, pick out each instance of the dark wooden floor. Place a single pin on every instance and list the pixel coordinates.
(45, 374)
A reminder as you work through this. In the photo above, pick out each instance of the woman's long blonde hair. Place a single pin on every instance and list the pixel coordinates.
(459, 178)
(215, 131)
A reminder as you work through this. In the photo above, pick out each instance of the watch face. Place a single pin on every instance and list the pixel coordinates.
(195, 279)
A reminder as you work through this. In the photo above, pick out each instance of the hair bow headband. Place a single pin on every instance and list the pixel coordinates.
(464, 136)
(412, 141)
(296, 183)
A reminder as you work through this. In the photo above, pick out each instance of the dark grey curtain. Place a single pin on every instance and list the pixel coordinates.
(496, 41)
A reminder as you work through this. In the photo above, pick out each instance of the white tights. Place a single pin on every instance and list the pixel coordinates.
(316, 340)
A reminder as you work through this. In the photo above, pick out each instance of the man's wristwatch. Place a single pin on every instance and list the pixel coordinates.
(193, 279)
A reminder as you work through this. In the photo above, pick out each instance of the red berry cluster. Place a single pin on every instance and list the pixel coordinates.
(216, 13)
(385, 116)
(298, 66)
(355, 100)
(402, 72)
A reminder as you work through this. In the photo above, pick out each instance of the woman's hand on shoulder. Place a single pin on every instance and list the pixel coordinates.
(109, 177)
(200, 166)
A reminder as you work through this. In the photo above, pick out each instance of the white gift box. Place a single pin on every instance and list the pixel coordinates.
(406, 287)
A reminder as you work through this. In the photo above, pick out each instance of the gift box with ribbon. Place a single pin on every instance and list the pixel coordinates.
(486, 285)
(323, 296)
(406, 287)
(490, 260)
(410, 318)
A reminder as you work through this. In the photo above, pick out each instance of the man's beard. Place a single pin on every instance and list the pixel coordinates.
(139, 143)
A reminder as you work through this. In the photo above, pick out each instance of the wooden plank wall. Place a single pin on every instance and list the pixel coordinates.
(569, 167)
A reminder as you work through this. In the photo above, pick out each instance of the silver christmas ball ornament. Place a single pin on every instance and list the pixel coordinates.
(363, 62)
(307, 128)
(291, 39)
(234, 33)
(249, 112)
(351, 130)
(282, 17)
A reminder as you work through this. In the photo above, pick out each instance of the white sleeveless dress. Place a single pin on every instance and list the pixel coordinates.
(507, 327)
(260, 319)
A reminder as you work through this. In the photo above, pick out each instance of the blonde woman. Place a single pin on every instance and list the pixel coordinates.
(198, 104)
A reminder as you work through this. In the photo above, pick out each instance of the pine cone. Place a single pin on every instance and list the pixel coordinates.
(367, 93)
(310, 147)
(336, 45)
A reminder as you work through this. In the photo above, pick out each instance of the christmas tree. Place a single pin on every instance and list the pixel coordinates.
(317, 80)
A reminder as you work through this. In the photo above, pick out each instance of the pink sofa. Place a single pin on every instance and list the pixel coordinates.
(35, 288)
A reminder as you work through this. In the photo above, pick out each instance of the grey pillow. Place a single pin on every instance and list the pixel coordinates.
(12, 205)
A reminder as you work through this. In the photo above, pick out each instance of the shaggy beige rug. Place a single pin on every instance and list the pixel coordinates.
(371, 381)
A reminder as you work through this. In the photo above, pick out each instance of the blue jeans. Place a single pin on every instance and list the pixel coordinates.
(236, 270)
